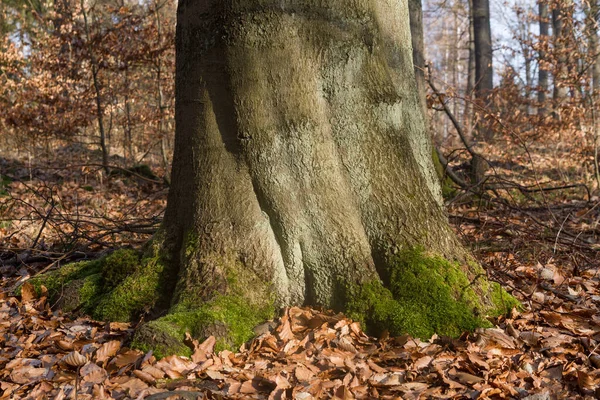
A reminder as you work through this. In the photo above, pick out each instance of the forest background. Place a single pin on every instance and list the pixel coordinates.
(87, 129)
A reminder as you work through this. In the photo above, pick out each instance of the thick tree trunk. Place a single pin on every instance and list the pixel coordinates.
(302, 174)
(542, 69)
(306, 181)
(484, 72)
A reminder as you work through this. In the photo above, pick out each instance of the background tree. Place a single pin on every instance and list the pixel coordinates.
(544, 24)
(560, 33)
(484, 71)
(592, 18)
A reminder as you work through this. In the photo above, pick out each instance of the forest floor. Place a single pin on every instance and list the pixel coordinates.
(535, 230)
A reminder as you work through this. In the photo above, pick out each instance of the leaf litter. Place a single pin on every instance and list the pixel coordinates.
(534, 354)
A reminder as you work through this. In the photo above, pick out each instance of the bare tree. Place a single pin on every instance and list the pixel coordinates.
(484, 72)
(542, 62)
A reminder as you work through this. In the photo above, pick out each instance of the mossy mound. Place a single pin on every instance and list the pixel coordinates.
(118, 287)
(135, 292)
(422, 295)
(74, 286)
(229, 315)
(427, 295)
(229, 318)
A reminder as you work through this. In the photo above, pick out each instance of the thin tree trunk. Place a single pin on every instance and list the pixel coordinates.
(542, 68)
(561, 90)
(98, 97)
(484, 72)
(128, 128)
(470, 87)
(594, 50)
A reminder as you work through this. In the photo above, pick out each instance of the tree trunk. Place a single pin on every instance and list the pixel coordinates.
(302, 175)
(593, 48)
(542, 69)
(470, 84)
(415, 9)
(98, 97)
(484, 72)
(561, 90)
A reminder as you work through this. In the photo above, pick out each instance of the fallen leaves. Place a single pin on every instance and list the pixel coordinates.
(309, 355)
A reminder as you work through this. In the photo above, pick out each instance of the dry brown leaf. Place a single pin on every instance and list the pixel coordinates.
(586, 381)
(65, 345)
(93, 373)
(464, 377)
(475, 359)
(75, 359)
(134, 386)
(285, 331)
(128, 357)
(145, 376)
(422, 362)
(28, 292)
(303, 374)
(108, 350)
(27, 375)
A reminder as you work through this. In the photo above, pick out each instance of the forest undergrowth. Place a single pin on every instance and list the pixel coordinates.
(533, 223)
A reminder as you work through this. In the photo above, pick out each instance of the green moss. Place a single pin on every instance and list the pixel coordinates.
(138, 287)
(427, 295)
(162, 337)
(57, 280)
(80, 294)
(118, 287)
(243, 300)
(118, 266)
(230, 318)
(502, 302)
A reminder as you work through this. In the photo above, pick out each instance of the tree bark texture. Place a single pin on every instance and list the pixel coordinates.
(560, 38)
(300, 149)
(542, 69)
(593, 18)
(415, 8)
(484, 72)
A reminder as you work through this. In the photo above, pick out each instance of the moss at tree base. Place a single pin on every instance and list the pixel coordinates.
(427, 295)
(118, 287)
(230, 319)
(423, 295)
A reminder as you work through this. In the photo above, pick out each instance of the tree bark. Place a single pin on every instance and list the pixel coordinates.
(470, 83)
(593, 48)
(559, 33)
(415, 9)
(542, 70)
(484, 72)
(98, 96)
(301, 173)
